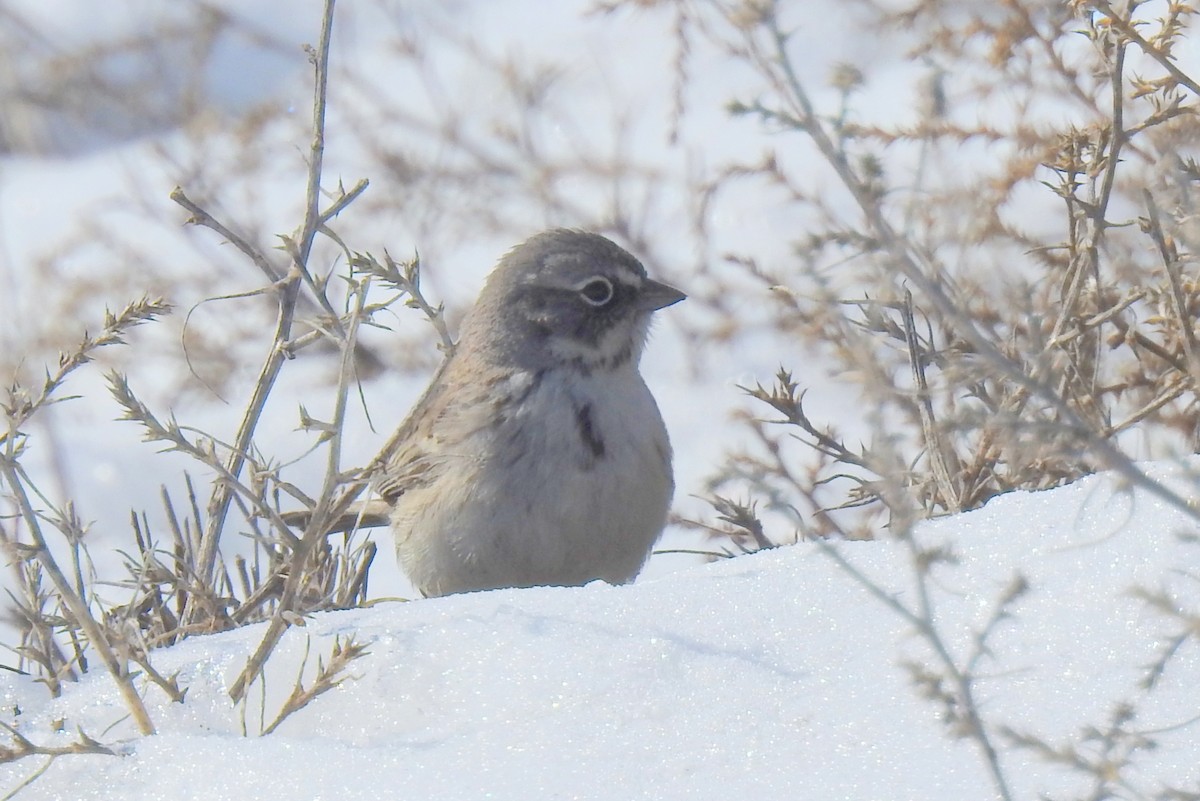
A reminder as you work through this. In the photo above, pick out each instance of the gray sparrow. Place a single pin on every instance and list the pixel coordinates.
(537, 456)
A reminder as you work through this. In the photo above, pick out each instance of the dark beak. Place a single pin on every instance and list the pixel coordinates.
(654, 296)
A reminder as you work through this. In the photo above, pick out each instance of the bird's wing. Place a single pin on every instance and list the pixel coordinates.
(463, 400)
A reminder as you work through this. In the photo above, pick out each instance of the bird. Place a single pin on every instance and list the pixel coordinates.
(537, 456)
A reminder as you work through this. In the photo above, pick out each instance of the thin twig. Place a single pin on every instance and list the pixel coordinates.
(300, 554)
(937, 451)
(1127, 29)
(328, 677)
(203, 218)
(1170, 257)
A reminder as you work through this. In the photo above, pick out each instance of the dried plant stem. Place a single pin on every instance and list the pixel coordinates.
(316, 155)
(218, 505)
(328, 677)
(24, 747)
(938, 452)
(312, 222)
(1170, 258)
(79, 610)
(287, 289)
(1127, 29)
(203, 218)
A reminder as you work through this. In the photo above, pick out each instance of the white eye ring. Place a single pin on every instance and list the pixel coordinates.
(596, 291)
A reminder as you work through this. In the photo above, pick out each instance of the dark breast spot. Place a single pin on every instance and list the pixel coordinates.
(588, 432)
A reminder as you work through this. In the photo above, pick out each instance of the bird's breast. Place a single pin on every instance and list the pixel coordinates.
(588, 459)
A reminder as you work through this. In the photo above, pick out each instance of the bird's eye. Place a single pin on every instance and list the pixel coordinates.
(597, 291)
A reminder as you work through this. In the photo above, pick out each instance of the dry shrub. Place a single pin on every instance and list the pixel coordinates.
(998, 267)
(181, 583)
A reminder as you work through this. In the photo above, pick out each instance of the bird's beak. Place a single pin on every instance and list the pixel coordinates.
(654, 296)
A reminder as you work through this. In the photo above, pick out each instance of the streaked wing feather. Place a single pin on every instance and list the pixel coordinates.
(455, 406)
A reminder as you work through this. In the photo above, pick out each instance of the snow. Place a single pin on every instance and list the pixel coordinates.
(774, 675)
